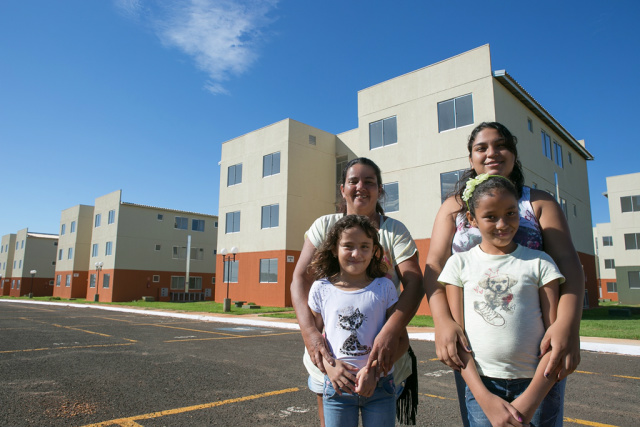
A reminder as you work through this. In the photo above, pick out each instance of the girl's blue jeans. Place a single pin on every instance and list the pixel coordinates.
(379, 410)
(548, 414)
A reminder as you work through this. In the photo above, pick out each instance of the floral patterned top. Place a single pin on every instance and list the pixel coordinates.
(529, 234)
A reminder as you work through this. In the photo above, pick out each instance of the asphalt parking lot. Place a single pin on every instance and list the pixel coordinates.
(67, 366)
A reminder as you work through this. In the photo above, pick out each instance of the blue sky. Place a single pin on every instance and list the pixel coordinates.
(138, 95)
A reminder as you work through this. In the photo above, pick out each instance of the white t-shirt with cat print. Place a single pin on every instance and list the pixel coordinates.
(502, 315)
(352, 319)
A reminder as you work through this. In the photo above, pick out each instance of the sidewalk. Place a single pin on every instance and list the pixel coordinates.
(601, 345)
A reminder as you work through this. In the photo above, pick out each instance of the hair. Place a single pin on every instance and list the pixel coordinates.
(342, 207)
(326, 264)
(516, 176)
(493, 183)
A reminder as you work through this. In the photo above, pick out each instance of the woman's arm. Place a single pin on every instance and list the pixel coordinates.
(498, 411)
(527, 403)
(300, 286)
(388, 342)
(563, 337)
(448, 332)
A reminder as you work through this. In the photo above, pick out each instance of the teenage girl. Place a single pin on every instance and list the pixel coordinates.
(504, 296)
(351, 300)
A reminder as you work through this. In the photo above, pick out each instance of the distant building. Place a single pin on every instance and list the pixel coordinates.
(123, 251)
(617, 243)
(27, 263)
(275, 181)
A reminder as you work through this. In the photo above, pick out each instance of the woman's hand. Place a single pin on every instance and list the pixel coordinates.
(448, 335)
(564, 348)
(342, 377)
(383, 351)
(318, 350)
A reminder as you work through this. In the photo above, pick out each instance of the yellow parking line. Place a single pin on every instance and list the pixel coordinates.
(625, 376)
(437, 397)
(197, 330)
(233, 337)
(62, 348)
(586, 372)
(122, 421)
(586, 423)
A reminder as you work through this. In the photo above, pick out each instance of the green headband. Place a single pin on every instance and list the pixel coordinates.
(473, 183)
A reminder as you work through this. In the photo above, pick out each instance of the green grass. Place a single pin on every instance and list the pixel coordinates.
(596, 322)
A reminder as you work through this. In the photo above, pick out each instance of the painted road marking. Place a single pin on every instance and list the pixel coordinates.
(63, 348)
(437, 397)
(128, 420)
(598, 373)
(586, 423)
(235, 337)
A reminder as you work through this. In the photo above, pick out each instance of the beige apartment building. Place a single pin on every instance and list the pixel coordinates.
(122, 251)
(275, 181)
(27, 263)
(617, 243)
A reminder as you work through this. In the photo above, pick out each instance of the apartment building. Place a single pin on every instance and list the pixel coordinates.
(618, 242)
(122, 251)
(275, 181)
(27, 263)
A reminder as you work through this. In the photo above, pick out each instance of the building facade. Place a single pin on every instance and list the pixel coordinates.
(618, 242)
(275, 181)
(27, 263)
(123, 251)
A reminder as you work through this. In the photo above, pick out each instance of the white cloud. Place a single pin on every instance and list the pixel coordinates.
(222, 36)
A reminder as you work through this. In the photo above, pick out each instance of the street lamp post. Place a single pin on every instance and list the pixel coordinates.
(226, 258)
(96, 297)
(33, 274)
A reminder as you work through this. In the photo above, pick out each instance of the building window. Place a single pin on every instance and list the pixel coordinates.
(94, 250)
(557, 149)
(612, 287)
(195, 283)
(20, 264)
(181, 223)
(609, 264)
(230, 274)
(569, 158)
(607, 241)
(22, 244)
(179, 252)
(197, 254)
(575, 210)
(67, 281)
(70, 253)
(97, 221)
(269, 270)
(106, 280)
(563, 204)
(158, 247)
(234, 175)
(160, 217)
(634, 279)
(632, 241)
(58, 280)
(391, 201)
(197, 224)
(448, 181)
(92, 280)
(312, 140)
(215, 224)
(177, 283)
(156, 278)
(108, 248)
(455, 113)
(270, 216)
(60, 254)
(630, 204)
(271, 164)
(232, 222)
(63, 229)
(530, 125)
(383, 132)
(546, 144)
(73, 227)
(111, 217)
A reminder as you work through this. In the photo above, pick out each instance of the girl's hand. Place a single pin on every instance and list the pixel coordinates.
(500, 413)
(366, 381)
(342, 376)
(448, 335)
(565, 350)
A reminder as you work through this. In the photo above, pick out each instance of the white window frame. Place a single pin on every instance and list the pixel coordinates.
(234, 225)
(267, 266)
(234, 175)
(386, 138)
(268, 164)
(390, 205)
(268, 212)
(441, 111)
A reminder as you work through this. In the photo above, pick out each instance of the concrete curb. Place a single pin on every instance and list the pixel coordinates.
(600, 345)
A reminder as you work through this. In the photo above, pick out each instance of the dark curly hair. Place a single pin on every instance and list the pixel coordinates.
(510, 140)
(326, 264)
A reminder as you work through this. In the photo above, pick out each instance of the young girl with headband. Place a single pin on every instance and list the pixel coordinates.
(504, 296)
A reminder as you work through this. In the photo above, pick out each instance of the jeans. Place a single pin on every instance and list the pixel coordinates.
(344, 410)
(548, 414)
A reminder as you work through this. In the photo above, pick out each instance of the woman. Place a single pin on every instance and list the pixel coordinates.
(492, 150)
(361, 188)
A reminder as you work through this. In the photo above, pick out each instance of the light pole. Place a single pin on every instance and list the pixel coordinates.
(226, 258)
(33, 273)
(96, 297)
